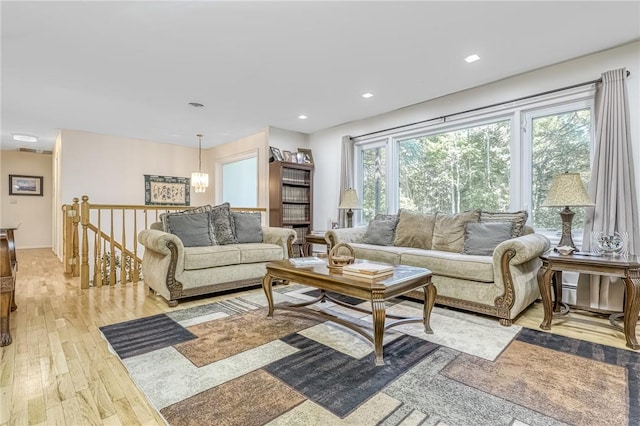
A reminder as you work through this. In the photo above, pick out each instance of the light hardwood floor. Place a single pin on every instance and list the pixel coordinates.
(58, 369)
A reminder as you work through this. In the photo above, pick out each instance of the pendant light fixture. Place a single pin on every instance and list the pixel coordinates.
(199, 180)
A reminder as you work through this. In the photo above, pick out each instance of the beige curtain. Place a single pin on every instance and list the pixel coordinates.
(346, 175)
(612, 188)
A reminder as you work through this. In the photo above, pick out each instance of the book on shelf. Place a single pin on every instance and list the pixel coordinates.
(306, 261)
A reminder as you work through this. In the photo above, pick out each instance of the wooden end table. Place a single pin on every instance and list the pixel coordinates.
(625, 267)
(404, 280)
(314, 238)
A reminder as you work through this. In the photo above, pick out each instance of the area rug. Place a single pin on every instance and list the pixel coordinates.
(226, 363)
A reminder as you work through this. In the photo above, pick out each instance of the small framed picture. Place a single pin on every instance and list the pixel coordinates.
(25, 185)
(307, 156)
(300, 157)
(275, 153)
(287, 156)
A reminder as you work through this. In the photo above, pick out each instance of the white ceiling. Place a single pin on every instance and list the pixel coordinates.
(131, 68)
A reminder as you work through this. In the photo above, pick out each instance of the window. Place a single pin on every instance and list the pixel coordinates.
(482, 161)
(240, 182)
(374, 181)
(560, 142)
(456, 170)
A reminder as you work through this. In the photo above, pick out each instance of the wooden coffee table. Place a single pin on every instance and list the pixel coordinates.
(403, 280)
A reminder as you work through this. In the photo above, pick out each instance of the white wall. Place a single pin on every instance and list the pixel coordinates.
(286, 140)
(32, 213)
(326, 144)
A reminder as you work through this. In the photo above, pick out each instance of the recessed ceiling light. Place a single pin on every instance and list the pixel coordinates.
(302, 117)
(367, 95)
(24, 138)
(472, 58)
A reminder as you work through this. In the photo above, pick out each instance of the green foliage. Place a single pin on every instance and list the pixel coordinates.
(470, 168)
(561, 143)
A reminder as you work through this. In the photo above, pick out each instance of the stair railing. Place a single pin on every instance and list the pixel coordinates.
(114, 254)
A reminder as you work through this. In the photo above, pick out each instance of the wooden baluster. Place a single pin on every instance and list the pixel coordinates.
(103, 266)
(112, 265)
(67, 239)
(134, 261)
(74, 238)
(123, 252)
(84, 265)
(97, 276)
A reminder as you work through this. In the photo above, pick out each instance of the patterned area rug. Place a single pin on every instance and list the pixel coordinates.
(226, 363)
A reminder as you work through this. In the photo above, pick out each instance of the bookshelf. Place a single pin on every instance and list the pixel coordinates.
(291, 199)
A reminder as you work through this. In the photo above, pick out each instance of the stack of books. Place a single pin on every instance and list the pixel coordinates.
(370, 271)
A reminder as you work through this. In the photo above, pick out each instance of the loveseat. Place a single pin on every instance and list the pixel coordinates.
(209, 249)
(485, 262)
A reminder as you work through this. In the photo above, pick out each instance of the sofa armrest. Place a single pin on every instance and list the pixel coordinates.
(515, 264)
(521, 249)
(344, 235)
(284, 237)
(162, 262)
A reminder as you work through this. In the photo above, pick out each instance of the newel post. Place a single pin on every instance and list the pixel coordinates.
(75, 219)
(84, 264)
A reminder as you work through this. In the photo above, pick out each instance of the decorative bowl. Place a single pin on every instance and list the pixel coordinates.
(610, 243)
(337, 259)
(565, 250)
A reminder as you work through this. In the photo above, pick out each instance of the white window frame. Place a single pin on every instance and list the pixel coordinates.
(520, 113)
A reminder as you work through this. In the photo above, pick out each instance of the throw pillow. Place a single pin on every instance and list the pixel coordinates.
(481, 238)
(192, 229)
(414, 229)
(518, 219)
(195, 210)
(248, 227)
(222, 224)
(381, 231)
(448, 232)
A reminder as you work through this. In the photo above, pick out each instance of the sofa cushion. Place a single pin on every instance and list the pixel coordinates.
(260, 252)
(230, 254)
(247, 227)
(456, 265)
(381, 231)
(195, 210)
(210, 257)
(414, 229)
(378, 253)
(448, 232)
(518, 220)
(192, 229)
(481, 238)
(222, 225)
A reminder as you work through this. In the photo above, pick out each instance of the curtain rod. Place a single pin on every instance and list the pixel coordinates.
(444, 117)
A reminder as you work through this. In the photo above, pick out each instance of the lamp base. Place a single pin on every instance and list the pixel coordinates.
(567, 218)
(349, 218)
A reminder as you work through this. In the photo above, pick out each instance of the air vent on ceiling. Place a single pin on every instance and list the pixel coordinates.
(37, 151)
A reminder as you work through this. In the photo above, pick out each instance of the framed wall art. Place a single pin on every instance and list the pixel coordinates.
(166, 190)
(307, 156)
(25, 185)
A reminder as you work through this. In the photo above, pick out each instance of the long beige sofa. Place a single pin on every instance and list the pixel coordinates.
(501, 283)
(176, 271)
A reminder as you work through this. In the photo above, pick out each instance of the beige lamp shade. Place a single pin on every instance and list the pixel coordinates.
(567, 190)
(350, 200)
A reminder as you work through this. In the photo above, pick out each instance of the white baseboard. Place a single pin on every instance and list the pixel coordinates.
(33, 247)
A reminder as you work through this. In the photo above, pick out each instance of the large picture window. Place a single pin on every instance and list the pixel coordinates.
(456, 170)
(498, 160)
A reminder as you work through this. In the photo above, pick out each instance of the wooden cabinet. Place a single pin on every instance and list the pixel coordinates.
(291, 199)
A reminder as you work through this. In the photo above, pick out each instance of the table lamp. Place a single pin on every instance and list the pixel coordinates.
(350, 202)
(567, 190)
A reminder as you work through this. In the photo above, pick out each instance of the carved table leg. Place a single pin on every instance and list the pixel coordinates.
(378, 314)
(631, 308)
(544, 283)
(266, 286)
(5, 312)
(429, 301)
